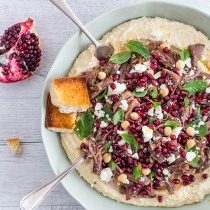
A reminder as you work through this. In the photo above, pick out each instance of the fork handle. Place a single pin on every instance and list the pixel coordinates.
(33, 199)
(63, 6)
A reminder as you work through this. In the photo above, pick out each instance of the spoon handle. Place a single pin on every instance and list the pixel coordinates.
(33, 199)
(63, 6)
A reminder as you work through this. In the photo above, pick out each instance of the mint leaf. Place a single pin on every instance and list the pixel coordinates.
(151, 174)
(109, 112)
(138, 47)
(107, 146)
(198, 112)
(155, 104)
(131, 140)
(136, 172)
(186, 103)
(118, 116)
(196, 159)
(112, 165)
(151, 120)
(194, 86)
(154, 93)
(85, 125)
(121, 57)
(203, 129)
(152, 160)
(139, 94)
(185, 54)
(171, 124)
(102, 94)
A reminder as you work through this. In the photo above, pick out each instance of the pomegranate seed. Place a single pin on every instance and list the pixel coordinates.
(149, 106)
(156, 122)
(145, 121)
(160, 198)
(158, 150)
(130, 160)
(164, 150)
(114, 146)
(160, 61)
(191, 178)
(131, 121)
(166, 50)
(93, 101)
(174, 97)
(140, 75)
(208, 97)
(176, 181)
(153, 61)
(138, 186)
(128, 76)
(129, 170)
(139, 100)
(166, 155)
(181, 109)
(167, 79)
(173, 137)
(168, 143)
(120, 154)
(185, 183)
(185, 177)
(138, 129)
(156, 187)
(166, 108)
(205, 176)
(130, 87)
(180, 98)
(115, 98)
(137, 123)
(163, 74)
(153, 66)
(109, 137)
(148, 187)
(115, 127)
(184, 135)
(123, 147)
(199, 95)
(176, 71)
(104, 165)
(150, 165)
(161, 81)
(207, 109)
(97, 125)
(133, 81)
(170, 88)
(153, 82)
(109, 127)
(157, 55)
(143, 192)
(83, 146)
(132, 188)
(143, 84)
(135, 163)
(134, 76)
(151, 126)
(173, 148)
(174, 114)
(198, 101)
(117, 160)
(144, 165)
(150, 77)
(160, 130)
(116, 77)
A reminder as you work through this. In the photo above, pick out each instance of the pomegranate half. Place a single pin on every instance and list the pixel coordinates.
(20, 52)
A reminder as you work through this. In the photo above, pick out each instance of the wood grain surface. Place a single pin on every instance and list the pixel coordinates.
(20, 102)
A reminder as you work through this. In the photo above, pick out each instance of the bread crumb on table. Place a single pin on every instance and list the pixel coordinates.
(14, 145)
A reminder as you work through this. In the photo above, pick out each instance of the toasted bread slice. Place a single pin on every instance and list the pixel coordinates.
(15, 146)
(59, 122)
(70, 94)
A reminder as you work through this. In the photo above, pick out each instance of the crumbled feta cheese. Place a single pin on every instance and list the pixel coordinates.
(129, 151)
(176, 131)
(91, 185)
(106, 174)
(119, 89)
(204, 119)
(124, 105)
(140, 89)
(158, 112)
(165, 171)
(151, 112)
(139, 68)
(133, 56)
(110, 149)
(147, 64)
(156, 34)
(121, 132)
(171, 158)
(95, 129)
(203, 57)
(196, 131)
(188, 62)
(207, 90)
(98, 106)
(157, 75)
(117, 72)
(200, 123)
(103, 124)
(121, 142)
(147, 133)
(163, 86)
(108, 100)
(98, 112)
(135, 156)
(192, 73)
(126, 181)
(190, 156)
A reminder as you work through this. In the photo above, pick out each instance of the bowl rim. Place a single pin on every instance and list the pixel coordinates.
(164, 2)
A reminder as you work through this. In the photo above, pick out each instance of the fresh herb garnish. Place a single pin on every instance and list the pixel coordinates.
(194, 86)
(186, 103)
(171, 124)
(109, 112)
(118, 116)
(152, 160)
(154, 93)
(130, 140)
(107, 146)
(138, 47)
(185, 54)
(202, 129)
(155, 104)
(102, 94)
(151, 120)
(139, 94)
(121, 57)
(85, 125)
(196, 159)
(136, 172)
(198, 112)
(112, 165)
(151, 174)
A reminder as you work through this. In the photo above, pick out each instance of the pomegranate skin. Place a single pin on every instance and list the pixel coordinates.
(20, 52)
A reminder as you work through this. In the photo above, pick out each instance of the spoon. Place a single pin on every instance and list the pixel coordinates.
(103, 52)
(33, 199)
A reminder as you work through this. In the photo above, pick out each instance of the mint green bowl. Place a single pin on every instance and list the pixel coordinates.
(76, 186)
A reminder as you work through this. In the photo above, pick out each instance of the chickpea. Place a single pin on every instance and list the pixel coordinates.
(101, 75)
(122, 177)
(190, 131)
(107, 157)
(78, 118)
(190, 143)
(207, 81)
(125, 124)
(165, 44)
(208, 64)
(145, 171)
(167, 131)
(139, 165)
(180, 64)
(150, 71)
(134, 116)
(164, 92)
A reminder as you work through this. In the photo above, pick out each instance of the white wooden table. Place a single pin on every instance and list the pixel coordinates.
(20, 102)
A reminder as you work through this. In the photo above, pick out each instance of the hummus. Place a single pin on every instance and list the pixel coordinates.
(144, 30)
